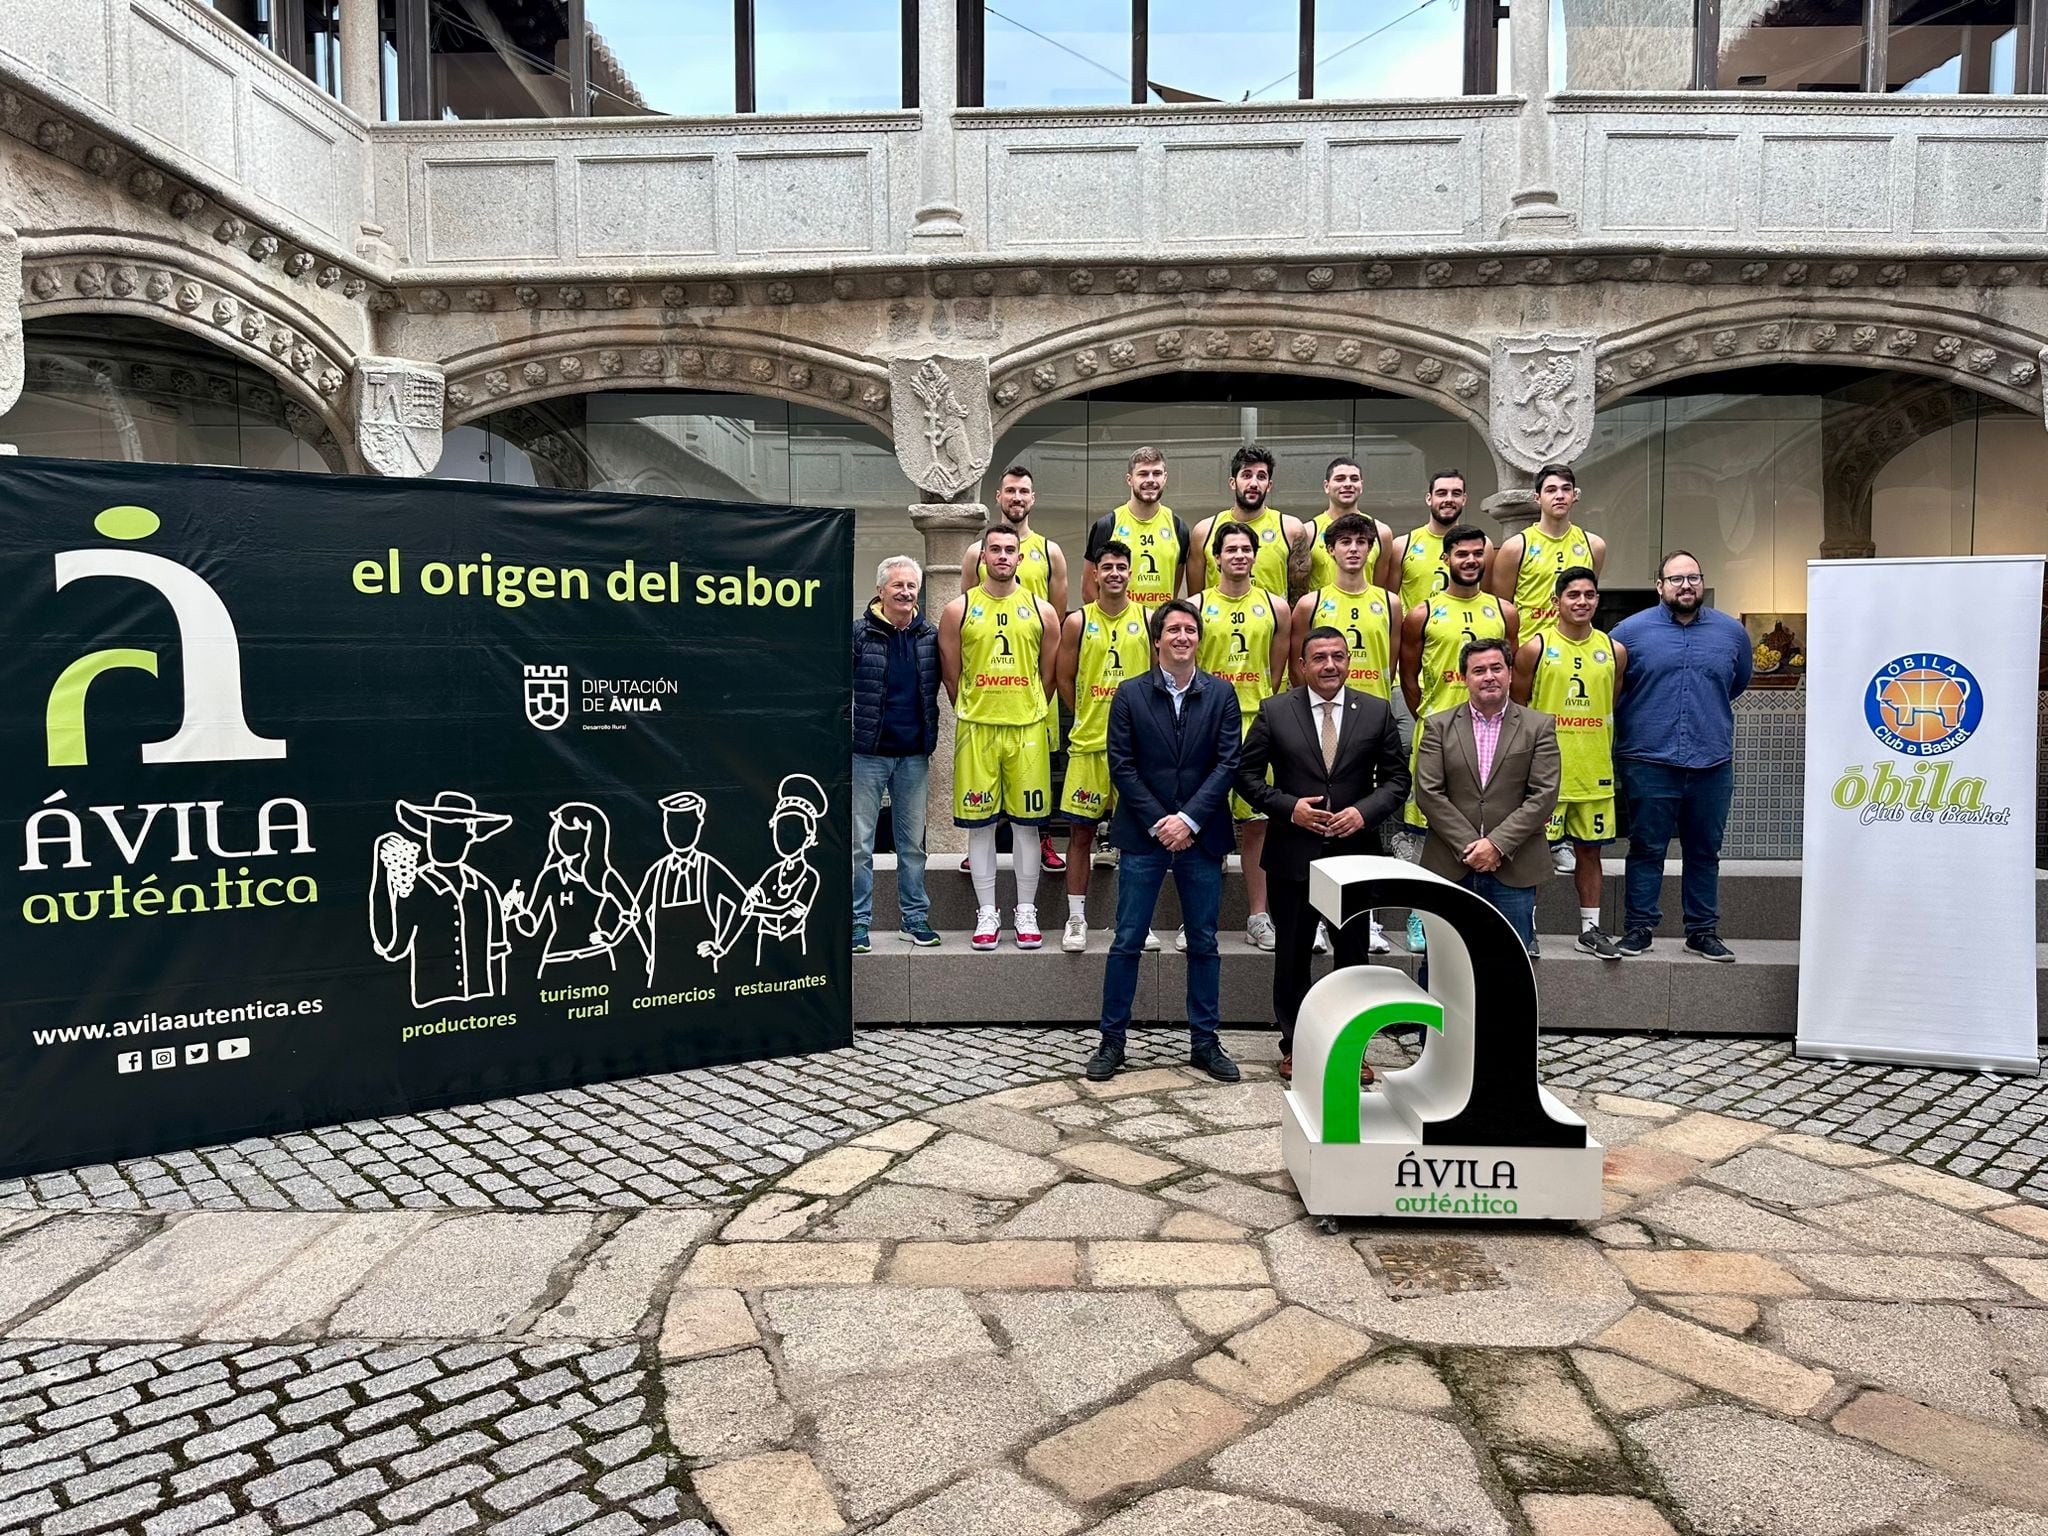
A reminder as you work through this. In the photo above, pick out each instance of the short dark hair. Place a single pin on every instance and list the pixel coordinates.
(1562, 472)
(1342, 458)
(1017, 471)
(1323, 632)
(1347, 525)
(1226, 526)
(1114, 547)
(1251, 453)
(1677, 554)
(995, 528)
(1445, 474)
(1174, 605)
(1479, 647)
(1572, 573)
(1464, 533)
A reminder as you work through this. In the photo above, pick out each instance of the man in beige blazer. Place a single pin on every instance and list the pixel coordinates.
(1486, 776)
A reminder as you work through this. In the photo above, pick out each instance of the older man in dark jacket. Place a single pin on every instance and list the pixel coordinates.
(895, 730)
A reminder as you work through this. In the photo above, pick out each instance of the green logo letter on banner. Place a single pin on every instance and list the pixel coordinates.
(1347, 1054)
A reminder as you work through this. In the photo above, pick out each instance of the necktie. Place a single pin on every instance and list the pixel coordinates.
(1329, 708)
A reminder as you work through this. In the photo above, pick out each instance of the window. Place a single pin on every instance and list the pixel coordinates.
(675, 60)
(1055, 53)
(1623, 45)
(829, 56)
(1224, 50)
(1377, 48)
(1957, 47)
(1766, 46)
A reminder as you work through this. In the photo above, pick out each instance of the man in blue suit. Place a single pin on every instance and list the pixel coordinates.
(1173, 745)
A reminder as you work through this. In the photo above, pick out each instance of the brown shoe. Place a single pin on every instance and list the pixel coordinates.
(1365, 1077)
(1287, 1068)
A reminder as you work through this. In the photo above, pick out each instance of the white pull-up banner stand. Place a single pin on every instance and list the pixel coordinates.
(1917, 916)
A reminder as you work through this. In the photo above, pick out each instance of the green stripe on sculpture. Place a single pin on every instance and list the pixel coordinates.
(1347, 1055)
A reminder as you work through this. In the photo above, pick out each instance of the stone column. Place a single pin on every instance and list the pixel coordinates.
(938, 92)
(948, 528)
(1534, 211)
(1513, 506)
(12, 346)
(362, 90)
(397, 405)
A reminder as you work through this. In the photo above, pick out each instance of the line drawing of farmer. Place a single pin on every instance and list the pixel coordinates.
(584, 903)
(445, 915)
(779, 903)
(689, 903)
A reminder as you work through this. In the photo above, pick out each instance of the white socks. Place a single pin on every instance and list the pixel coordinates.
(981, 860)
(1077, 906)
(1589, 917)
(1024, 856)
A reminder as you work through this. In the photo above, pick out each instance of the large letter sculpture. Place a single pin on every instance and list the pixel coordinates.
(1467, 1131)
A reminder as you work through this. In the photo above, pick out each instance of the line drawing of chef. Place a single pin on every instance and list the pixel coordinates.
(690, 904)
(582, 901)
(779, 903)
(445, 915)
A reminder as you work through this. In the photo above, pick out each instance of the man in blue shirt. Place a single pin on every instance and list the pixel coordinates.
(1675, 748)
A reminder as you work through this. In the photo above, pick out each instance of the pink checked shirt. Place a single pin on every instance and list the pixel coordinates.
(1485, 739)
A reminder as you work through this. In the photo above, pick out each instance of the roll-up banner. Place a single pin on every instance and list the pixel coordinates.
(325, 797)
(1917, 934)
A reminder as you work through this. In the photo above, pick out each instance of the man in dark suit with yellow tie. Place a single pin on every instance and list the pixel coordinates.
(1338, 771)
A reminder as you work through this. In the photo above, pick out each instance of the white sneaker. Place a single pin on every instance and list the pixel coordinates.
(1151, 942)
(1259, 931)
(1564, 857)
(1180, 940)
(988, 927)
(1075, 939)
(1322, 943)
(1024, 927)
(1378, 944)
(1104, 855)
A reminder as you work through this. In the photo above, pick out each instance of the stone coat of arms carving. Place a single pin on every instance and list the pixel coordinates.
(939, 408)
(1542, 399)
(397, 406)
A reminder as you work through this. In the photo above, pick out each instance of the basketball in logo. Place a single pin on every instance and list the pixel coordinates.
(1923, 705)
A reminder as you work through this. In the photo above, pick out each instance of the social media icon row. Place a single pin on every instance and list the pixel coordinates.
(196, 1054)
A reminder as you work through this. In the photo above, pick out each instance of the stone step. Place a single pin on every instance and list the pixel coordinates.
(1759, 898)
(1665, 990)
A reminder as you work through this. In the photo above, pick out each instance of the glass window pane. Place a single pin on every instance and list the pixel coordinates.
(254, 17)
(1225, 50)
(655, 56)
(1956, 47)
(1055, 53)
(1769, 46)
(1371, 48)
(499, 58)
(1622, 45)
(828, 55)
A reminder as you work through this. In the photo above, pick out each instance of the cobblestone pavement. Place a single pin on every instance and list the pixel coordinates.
(710, 1136)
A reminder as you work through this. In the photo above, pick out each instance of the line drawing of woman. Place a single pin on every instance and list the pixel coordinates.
(585, 905)
(779, 903)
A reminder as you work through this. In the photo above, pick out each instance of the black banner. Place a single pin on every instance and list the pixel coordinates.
(325, 797)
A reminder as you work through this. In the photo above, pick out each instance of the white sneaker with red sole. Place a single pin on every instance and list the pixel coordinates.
(988, 928)
(1026, 925)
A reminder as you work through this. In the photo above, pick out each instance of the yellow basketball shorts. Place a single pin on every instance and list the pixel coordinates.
(1088, 796)
(1001, 772)
(1582, 821)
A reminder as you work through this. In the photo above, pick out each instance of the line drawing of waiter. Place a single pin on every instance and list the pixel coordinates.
(689, 903)
(447, 916)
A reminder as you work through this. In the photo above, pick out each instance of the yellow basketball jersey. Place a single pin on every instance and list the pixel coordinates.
(1575, 683)
(1322, 568)
(1155, 554)
(1536, 582)
(1237, 645)
(1367, 620)
(1269, 566)
(1422, 566)
(999, 650)
(1112, 650)
(1451, 623)
(1034, 566)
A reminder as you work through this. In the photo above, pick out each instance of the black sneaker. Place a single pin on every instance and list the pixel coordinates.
(1636, 941)
(860, 941)
(1595, 941)
(1535, 948)
(1103, 1065)
(1214, 1062)
(1708, 946)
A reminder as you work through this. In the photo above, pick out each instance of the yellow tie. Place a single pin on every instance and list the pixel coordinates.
(1329, 708)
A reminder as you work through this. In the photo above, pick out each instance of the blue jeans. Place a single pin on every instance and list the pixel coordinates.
(1516, 903)
(1692, 802)
(904, 778)
(1198, 878)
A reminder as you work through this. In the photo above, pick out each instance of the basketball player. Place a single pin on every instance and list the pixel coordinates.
(1343, 484)
(1282, 542)
(1365, 615)
(1244, 642)
(1573, 672)
(1157, 539)
(1413, 565)
(1433, 634)
(997, 648)
(1041, 571)
(1526, 569)
(1100, 646)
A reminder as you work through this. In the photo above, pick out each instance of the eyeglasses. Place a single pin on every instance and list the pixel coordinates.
(1682, 581)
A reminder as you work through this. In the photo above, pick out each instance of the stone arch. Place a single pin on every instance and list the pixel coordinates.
(1384, 354)
(591, 359)
(171, 286)
(1971, 350)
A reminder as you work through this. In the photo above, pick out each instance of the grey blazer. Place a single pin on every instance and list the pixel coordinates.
(1510, 808)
